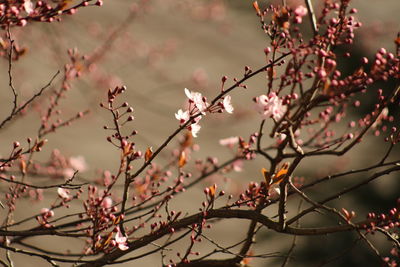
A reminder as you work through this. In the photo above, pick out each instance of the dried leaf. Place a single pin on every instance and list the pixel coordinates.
(117, 219)
(327, 86)
(182, 159)
(267, 176)
(271, 72)
(22, 166)
(281, 173)
(127, 149)
(108, 240)
(64, 4)
(148, 154)
(188, 141)
(257, 8)
(212, 189)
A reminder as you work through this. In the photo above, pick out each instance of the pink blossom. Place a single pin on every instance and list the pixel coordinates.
(229, 142)
(78, 163)
(194, 128)
(300, 11)
(182, 116)
(199, 102)
(28, 6)
(227, 104)
(270, 106)
(63, 193)
(46, 212)
(237, 165)
(121, 240)
(68, 173)
(107, 203)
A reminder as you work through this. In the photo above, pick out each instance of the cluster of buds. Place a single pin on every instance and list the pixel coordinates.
(100, 210)
(123, 111)
(387, 221)
(43, 218)
(19, 13)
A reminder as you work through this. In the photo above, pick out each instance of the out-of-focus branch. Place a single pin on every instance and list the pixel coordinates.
(312, 17)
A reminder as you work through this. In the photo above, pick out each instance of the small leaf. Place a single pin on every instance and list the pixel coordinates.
(281, 173)
(127, 149)
(256, 7)
(266, 175)
(108, 240)
(327, 86)
(212, 189)
(148, 154)
(117, 219)
(187, 141)
(22, 166)
(182, 159)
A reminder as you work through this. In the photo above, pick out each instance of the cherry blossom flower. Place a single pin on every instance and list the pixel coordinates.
(237, 165)
(194, 128)
(107, 203)
(227, 104)
(68, 173)
(182, 116)
(47, 213)
(78, 163)
(300, 11)
(28, 6)
(270, 106)
(199, 102)
(63, 193)
(121, 240)
(229, 141)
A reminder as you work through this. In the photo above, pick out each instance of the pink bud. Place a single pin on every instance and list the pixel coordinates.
(382, 51)
(353, 11)
(364, 60)
(16, 144)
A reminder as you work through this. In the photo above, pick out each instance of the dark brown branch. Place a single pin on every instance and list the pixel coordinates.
(219, 213)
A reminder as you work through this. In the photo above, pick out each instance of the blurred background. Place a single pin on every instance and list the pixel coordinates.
(157, 51)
